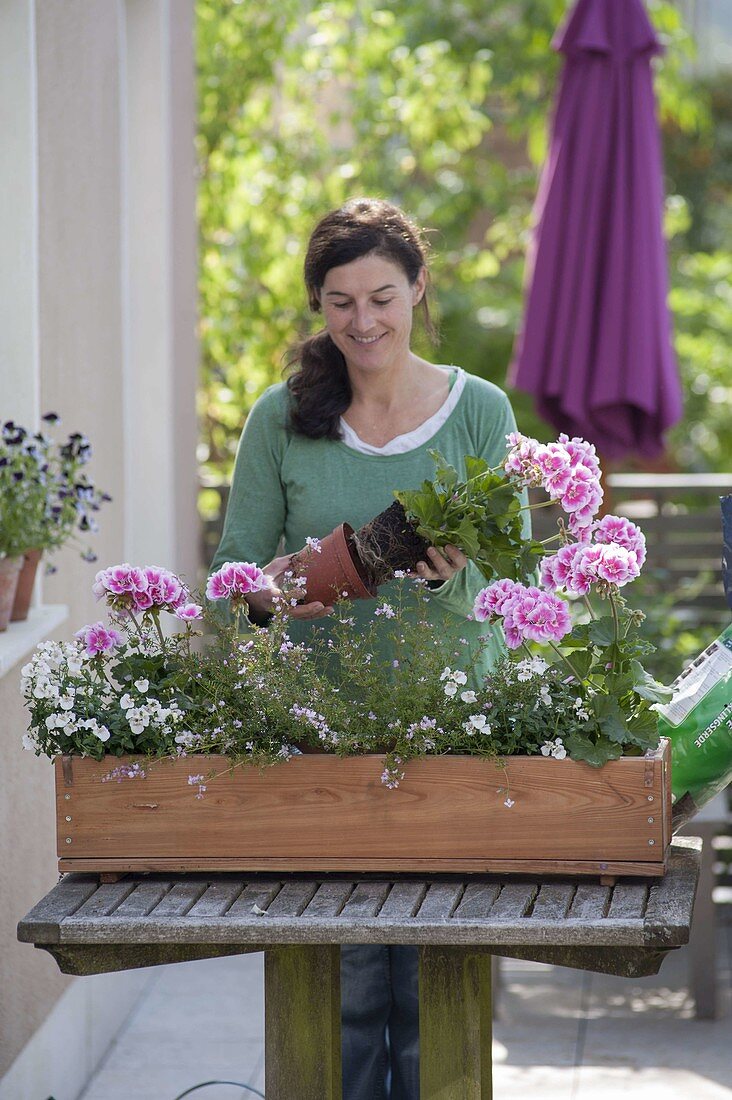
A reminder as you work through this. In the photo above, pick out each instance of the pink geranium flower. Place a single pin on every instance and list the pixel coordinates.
(616, 565)
(128, 588)
(490, 601)
(98, 639)
(188, 612)
(621, 532)
(235, 581)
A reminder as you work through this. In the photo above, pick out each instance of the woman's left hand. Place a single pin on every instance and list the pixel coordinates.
(442, 564)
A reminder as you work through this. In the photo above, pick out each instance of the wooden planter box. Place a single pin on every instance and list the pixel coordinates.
(325, 813)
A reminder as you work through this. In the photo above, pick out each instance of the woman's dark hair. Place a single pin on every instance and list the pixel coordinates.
(319, 388)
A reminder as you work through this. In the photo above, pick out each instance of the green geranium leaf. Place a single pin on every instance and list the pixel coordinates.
(474, 467)
(643, 729)
(645, 685)
(593, 753)
(446, 474)
(581, 662)
(610, 717)
(602, 631)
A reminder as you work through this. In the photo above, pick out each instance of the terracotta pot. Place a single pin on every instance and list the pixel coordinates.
(9, 573)
(24, 591)
(334, 571)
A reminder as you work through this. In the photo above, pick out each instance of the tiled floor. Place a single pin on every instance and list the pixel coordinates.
(560, 1035)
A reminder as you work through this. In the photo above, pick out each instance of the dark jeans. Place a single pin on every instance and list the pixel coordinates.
(379, 1022)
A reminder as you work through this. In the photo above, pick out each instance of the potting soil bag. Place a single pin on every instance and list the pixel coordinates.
(698, 720)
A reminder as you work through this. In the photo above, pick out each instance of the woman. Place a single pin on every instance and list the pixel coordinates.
(355, 421)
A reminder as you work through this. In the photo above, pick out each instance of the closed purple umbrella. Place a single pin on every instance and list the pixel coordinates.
(595, 350)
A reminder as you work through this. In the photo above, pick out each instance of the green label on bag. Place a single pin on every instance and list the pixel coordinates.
(698, 720)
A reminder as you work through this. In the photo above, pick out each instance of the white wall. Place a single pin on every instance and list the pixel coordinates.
(97, 323)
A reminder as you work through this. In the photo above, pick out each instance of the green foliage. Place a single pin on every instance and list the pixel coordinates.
(439, 106)
(45, 494)
(259, 698)
(483, 515)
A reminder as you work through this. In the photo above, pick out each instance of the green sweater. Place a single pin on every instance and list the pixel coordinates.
(286, 487)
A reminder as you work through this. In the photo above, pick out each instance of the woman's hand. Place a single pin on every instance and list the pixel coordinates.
(263, 603)
(442, 564)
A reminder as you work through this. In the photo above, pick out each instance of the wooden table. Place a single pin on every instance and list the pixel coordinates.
(300, 922)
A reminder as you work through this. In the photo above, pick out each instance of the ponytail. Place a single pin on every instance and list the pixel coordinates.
(320, 390)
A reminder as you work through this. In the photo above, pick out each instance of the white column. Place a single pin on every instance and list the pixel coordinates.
(19, 369)
(160, 284)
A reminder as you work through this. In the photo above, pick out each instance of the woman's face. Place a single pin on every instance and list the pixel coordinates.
(367, 305)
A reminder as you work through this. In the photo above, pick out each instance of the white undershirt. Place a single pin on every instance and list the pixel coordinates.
(419, 435)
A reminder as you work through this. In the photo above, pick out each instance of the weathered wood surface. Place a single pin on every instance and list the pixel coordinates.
(455, 1024)
(322, 812)
(227, 909)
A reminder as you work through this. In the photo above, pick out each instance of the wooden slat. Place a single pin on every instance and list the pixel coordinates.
(403, 901)
(292, 899)
(106, 899)
(628, 901)
(141, 901)
(553, 901)
(217, 899)
(514, 901)
(670, 902)
(590, 902)
(477, 901)
(41, 924)
(441, 901)
(366, 900)
(328, 901)
(260, 894)
(179, 900)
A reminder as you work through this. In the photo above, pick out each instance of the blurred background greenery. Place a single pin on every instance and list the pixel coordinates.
(441, 107)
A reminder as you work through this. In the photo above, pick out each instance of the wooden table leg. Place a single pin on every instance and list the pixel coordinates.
(455, 1024)
(302, 1022)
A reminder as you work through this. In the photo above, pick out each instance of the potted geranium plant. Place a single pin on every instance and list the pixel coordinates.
(482, 514)
(46, 497)
(571, 693)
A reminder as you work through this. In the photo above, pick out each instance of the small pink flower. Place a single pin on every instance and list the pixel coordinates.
(581, 490)
(555, 465)
(616, 565)
(491, 600)
(188, 611)
(98, 639)
(235, 580)
(581, 452)
(583, 573)
(558, 567)
(621, 532)
(521, 458)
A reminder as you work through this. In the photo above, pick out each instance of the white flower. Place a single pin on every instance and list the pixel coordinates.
(74, 665)
(446, 672)
(460, 678)
(450, 689)
(138, 719)
(479, 722)
(554, 748)
(468, 696)
(99, 731)
(545, 696)
(142, 686)
(28, 742)
(66, 702)
(51, 722)
(127, 702)
(509, 802)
